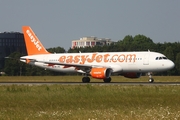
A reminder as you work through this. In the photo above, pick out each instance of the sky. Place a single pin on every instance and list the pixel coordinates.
(58, 22)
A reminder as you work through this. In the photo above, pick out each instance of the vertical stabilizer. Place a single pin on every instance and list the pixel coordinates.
(33, 44)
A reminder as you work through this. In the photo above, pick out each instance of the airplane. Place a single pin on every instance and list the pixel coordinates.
(99, 65)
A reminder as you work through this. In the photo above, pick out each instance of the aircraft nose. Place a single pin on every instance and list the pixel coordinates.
(171, 65)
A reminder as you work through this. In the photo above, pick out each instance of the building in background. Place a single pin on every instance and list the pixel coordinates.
(90, 42)
(11, 42)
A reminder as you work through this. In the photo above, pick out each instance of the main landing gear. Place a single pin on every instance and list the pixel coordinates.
(151, 80)
(107, 80)
(86, 79)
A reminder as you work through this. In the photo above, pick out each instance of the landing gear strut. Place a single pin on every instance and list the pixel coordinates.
(151, 80)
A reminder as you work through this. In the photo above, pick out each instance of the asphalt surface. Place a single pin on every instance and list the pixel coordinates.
(92, 83)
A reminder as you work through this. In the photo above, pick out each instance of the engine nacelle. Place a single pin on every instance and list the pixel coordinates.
(132, 75)
(100, 73)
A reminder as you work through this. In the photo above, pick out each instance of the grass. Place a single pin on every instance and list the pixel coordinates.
(88, 102)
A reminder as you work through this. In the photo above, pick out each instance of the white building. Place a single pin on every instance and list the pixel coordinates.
(90, 42)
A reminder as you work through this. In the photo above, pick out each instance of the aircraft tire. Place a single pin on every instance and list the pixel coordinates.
(151, 80)
(85, 79)
(107, 80)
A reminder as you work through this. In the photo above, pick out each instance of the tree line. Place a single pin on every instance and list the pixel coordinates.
(13, 67)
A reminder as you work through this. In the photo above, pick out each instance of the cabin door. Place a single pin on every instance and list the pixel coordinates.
(146, 59)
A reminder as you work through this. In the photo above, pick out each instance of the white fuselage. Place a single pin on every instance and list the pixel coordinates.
(118, 61)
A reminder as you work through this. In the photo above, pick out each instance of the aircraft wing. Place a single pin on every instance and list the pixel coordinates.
(72, 65)
(84, 67)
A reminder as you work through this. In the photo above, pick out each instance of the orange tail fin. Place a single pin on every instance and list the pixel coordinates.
(33, 44)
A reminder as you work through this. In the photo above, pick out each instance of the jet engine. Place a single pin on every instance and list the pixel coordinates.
(132, 75)
(100, 73)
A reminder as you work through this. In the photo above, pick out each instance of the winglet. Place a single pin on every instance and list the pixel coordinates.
(33, 44)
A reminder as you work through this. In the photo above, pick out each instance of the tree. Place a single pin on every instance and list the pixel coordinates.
(143, 43)
(169, 53)
(127, 43)
(56, 50)
(177, 63)
(13, 66)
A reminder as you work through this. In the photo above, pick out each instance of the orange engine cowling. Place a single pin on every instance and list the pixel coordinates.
(100, 73)
(132, 75)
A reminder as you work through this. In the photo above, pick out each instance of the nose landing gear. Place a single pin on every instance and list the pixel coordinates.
(151, 80)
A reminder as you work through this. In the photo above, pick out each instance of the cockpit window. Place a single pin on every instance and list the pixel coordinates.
(165, 58)
(161, 58)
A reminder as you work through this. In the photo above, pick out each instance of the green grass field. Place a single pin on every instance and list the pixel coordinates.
(88, 102)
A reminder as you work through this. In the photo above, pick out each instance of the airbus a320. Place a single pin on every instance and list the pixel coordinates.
(99, 65)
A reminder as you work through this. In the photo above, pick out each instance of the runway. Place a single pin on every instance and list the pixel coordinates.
(91, 83)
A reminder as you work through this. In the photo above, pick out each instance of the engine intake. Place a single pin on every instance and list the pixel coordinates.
(100, 73)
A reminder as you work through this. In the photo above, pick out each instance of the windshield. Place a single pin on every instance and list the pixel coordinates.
(161, 58)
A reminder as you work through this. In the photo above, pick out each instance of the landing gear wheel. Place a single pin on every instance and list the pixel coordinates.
(151, 80)
(107, 80)
(85, 79)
